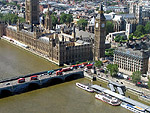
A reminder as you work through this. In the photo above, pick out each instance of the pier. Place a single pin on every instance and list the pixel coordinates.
(99, 89)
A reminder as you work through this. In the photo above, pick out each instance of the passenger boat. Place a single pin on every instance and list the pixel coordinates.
(84, 87)
(132, 108)
(108, 99)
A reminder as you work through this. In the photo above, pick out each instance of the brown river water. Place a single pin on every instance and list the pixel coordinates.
(61, 98)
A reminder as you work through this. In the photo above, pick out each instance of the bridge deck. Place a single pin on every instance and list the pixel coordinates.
(40, 77)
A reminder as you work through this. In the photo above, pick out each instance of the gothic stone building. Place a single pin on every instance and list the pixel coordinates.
(58, 47)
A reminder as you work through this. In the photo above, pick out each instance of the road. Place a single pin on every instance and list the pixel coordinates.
(40, 77)
(128, 84)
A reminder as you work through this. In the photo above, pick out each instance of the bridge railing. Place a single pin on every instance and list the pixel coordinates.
(23, 76)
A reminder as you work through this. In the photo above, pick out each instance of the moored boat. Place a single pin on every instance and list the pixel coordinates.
(132, 108)
(84, 87)
(108, 99)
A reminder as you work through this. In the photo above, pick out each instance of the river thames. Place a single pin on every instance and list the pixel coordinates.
(61, 98)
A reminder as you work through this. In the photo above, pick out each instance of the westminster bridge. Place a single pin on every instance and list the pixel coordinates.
(44, 79)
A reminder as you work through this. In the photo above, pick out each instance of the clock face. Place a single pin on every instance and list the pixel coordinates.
(103, 25)
(96, 25)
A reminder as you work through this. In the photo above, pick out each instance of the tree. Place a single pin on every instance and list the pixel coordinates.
(98, 64)
(119, 38)
(66, 18)
(12, 18)
(147, 28)
(139, 30)
(54, 20)
(109, 52)
(82, 23)
(69, 18)
(97, 8)
(149, 84)
(131, 36)
(109, 27)
(77, 62)
(113, 69)
(109, 11)
(136, 76)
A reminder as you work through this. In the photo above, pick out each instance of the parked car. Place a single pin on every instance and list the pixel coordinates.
(141, 84)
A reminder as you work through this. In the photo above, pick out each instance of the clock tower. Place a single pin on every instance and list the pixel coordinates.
(100, 34)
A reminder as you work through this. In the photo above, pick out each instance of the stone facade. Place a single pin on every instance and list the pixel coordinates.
(2, 29)
(133, 57)
(56, 47)
(32, 11)
(100, 34)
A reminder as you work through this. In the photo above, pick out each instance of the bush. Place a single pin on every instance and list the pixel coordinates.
(136, 76)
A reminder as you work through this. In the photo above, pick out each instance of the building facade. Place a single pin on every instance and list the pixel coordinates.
(32, 11)
(133, 57)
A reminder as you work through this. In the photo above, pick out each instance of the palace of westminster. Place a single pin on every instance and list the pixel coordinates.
(60, 47)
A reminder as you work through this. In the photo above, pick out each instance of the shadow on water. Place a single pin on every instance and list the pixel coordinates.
(5, 93)
(33, 86)
(73, 77)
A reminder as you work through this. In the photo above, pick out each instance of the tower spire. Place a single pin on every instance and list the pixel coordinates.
(100, 33)
(101, 12)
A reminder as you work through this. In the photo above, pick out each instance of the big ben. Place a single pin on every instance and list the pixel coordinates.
(100, 34)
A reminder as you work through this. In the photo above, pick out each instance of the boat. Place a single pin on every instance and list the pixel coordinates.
(132, 108)
(108, 99)
(84, 87)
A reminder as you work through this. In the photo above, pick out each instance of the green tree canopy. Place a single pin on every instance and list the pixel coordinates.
(54, 20)
(149, 84)
(109, 52)
(11, 18)
(98, 64)
(82, 23)
(147, 28)
(131, 36)
(119, 38)
(113, 69)
(66, 18)
(109, 27)
(136, 76)
(139, 30)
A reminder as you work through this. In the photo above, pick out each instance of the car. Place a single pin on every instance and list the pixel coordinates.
(35, 77)
(102, 70)
(141, 84)
(21, 80)
(144, 75)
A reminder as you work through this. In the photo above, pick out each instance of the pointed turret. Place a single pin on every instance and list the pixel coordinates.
(101, 13)
(48, 21)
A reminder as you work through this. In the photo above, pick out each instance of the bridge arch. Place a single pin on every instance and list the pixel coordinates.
(5, 93)
(54, 81)
(33, 86)
(73, 77)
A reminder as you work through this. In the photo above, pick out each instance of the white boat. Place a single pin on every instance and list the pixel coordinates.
(84, 87)
(132, 108)
(108, 99)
